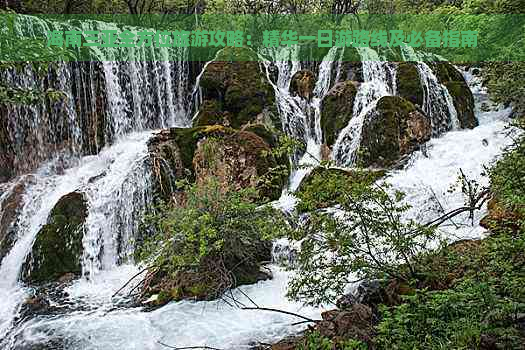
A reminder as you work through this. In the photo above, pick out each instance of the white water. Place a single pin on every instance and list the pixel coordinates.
(300, 117)
(437, 101)
(376, 74)
(113, 201)
(111, 195)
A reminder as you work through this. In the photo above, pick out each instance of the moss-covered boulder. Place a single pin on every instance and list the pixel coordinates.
(394, 129)
(462, 97)
(336, 110)
(324, 187)
(208, 279)
(408, 83)
(58, 246)
(303, 84)
(240, 159)
(236, 91)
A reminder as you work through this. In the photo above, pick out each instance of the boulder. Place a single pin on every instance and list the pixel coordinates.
(58, 246)
(303, 84)
(394, 129)
(323, 187)
(408, 83)
(500, 218)
(336, 110)
(458, 88)
(239, 159)
(236, 91)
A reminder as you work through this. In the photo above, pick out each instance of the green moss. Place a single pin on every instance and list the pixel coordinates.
(408, 83)
(336, 110)
(58, 246)
(324, 186)
(210, 113)
(462, 97)
(387, 135)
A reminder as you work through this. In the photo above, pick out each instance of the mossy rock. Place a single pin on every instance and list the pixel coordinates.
(303, 84)
(240, 159)
(236, 91)
(336, 110)
(408, 83)
(394, 129)
(324, 187)
(206, 281)
(210, 113)
(58, 246)
(458, 88)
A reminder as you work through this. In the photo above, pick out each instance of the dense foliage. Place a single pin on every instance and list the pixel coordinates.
(212, 233)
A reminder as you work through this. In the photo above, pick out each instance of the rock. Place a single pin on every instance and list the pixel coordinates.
(408, 83)
(58, 246)
(6, 150)
(336, 110)
(499, 218)
(462, 97)
(37, 305)
(238, 160)
(10, 207)
(322, 187)
(167, 163)
(353, 323)
(303, 84)
(394, 129)
(206, 281)
(236, 91)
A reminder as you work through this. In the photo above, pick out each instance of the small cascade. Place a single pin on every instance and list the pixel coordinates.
(300, 117)
(378, 76)
(437, 101)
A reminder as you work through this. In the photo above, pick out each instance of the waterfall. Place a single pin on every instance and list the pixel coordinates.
(95, 142)
(104, 99)
(437, 101)
(300, 117)
(378, 76)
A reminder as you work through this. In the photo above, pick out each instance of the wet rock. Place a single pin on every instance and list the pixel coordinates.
(236, 91)
(462, 97)
(303, 84)
(37, 305)
(10, 207)
(6, 150)
(336, 110)
(394, 129)
(167, 163)
(58, 246)
(499, 218)
(239, 160)
(408, 83)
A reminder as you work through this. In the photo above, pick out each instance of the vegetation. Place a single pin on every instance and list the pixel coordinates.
(213, 239)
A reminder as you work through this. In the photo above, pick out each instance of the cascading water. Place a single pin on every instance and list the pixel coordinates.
(116, 183)
(437, 102)
(378, 77)
(103, 99)
(301, 117)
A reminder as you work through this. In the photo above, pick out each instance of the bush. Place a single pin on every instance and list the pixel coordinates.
(212, 240)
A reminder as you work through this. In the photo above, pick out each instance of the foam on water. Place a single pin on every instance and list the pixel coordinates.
(115, 164)
(180, 324)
